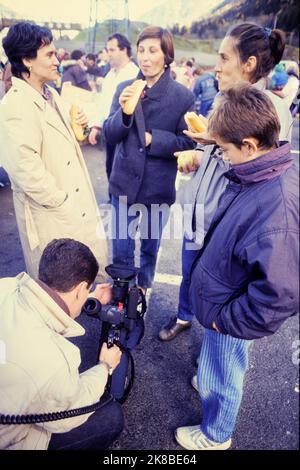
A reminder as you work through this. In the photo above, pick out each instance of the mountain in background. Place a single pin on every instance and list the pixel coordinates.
(282, 14)
(8, 13)
(181, 12)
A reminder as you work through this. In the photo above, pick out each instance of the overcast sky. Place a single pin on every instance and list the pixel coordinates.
(77, 10)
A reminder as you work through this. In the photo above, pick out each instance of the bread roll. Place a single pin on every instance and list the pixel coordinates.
(131, 103)
(194, 122)
(77, 128)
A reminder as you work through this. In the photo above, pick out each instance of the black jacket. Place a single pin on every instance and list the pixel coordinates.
(147, 175)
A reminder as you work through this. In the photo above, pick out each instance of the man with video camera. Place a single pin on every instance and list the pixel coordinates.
(39, 371)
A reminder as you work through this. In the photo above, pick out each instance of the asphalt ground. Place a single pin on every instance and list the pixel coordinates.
(162, 397)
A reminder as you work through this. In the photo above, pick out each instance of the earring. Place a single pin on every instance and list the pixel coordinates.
(30, 68)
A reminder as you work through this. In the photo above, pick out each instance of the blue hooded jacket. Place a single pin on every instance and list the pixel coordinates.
(246, 276)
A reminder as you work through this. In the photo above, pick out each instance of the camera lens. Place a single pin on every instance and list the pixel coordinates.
(92, 306)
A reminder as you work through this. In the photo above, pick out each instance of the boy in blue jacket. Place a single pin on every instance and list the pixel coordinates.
(244, 281)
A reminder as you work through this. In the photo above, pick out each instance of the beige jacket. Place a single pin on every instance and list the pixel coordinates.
(53, 195)
(38, 366)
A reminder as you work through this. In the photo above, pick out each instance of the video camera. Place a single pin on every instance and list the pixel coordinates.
(123, 323)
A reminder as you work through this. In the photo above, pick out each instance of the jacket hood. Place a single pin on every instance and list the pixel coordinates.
(50, 312)
(268, 166)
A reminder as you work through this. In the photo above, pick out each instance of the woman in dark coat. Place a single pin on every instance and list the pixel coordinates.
(144, 169)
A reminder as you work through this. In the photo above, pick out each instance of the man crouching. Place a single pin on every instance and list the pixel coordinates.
(39, 373)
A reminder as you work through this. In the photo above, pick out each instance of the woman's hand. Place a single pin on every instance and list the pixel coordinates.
(189, 160)
(81, 119)
(127, 93)
(200, 137)
(102, 292)
(93, 135)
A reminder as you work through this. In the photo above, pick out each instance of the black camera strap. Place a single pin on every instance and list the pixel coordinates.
(57, 415)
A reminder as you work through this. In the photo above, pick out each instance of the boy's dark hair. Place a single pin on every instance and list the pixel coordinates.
(76, 54)
(65, 263)
(123, 42)
(244, 111)
(166, 41)
(23, 41)
(263, 43)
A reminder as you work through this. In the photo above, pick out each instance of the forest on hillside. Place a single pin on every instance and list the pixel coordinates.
(283, 14)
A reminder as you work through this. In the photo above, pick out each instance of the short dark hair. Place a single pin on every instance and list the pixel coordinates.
(65, 263)
(244, 111)
(90, 56)
(76, 54)
(166, 41)
(23, 40)
(123, 42)
(263, 43)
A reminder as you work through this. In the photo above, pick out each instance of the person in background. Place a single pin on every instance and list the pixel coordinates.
(103, 62)
(52, 191)
(40, 375)
(279, 78)
(145, 169)
(245, 279)
(92, 71)
(205, 89)
(75, 71)
(122, 69)
(61, 54)
(289, 91)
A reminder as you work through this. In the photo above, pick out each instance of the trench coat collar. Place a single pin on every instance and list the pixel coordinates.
(56, 118)
(23, 86)
(47, 308)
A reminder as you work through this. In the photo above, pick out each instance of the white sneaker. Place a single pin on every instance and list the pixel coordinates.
(192, 438)
(194, 383)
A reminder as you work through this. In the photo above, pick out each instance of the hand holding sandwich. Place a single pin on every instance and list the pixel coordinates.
(130, 96)
(197, 129)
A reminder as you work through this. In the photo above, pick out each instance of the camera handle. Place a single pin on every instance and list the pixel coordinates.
(129, 386)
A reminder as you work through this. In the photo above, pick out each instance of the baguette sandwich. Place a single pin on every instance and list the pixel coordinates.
(194, 122)
(131, 103)
(77, 128)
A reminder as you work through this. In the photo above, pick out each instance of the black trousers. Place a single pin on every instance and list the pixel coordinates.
(98, 432)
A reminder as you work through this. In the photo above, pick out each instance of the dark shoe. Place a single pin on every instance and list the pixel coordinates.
(173, 329)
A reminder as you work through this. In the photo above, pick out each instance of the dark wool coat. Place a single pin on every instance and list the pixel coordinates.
(147, 175)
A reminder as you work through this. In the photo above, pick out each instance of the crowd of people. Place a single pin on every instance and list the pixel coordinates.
(240, 279)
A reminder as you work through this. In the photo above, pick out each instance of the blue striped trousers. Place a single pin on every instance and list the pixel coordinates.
(222, 365)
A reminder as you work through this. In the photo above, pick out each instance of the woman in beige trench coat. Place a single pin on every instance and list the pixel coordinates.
(52, 191)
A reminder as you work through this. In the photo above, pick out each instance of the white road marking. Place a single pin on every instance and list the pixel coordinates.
(172, 279)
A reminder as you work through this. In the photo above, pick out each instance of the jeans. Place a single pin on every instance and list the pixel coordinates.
(187, 259)
(222, 365)
(98, 432)
(124, 239)
(205, 107)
